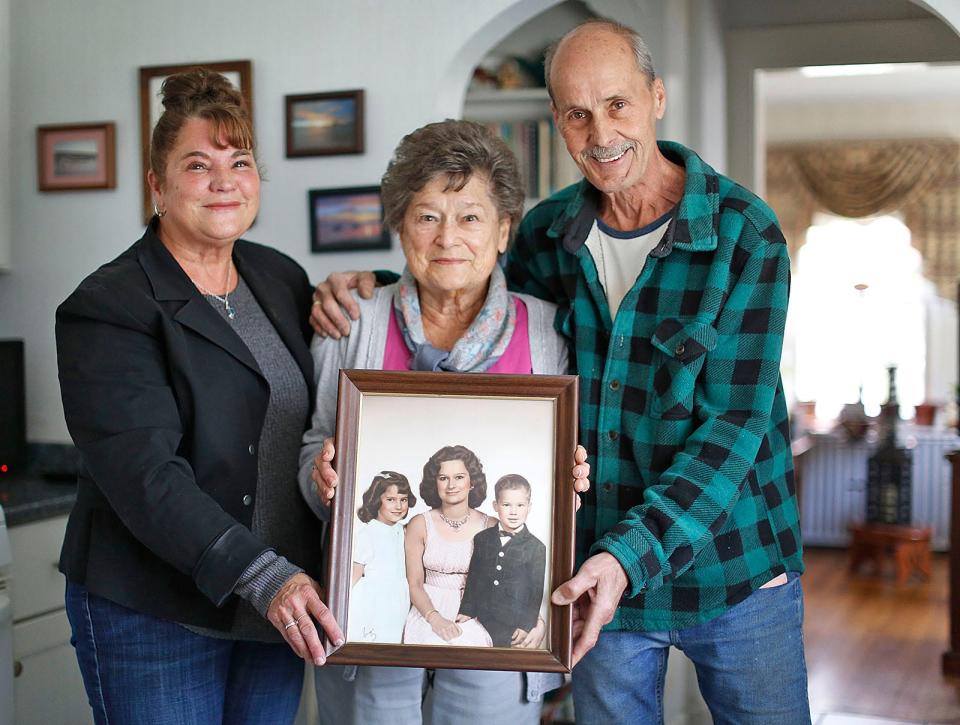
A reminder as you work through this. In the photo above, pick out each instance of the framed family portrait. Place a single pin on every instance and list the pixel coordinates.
(75, 157)
(347, 220)
(453, 520)
(324, 124)
(238, 72)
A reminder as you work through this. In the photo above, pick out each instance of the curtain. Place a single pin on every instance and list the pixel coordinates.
(918, 177)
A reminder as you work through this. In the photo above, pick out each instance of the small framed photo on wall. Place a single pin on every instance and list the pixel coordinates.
(76, 157)
(347, 220)
(324, 124)
(238, 72)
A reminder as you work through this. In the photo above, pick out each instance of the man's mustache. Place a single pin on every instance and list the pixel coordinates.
(605, 153)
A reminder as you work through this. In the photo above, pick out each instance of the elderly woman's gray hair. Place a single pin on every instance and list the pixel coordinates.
(457, 150)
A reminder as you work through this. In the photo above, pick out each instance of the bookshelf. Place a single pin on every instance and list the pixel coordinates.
(522, 117)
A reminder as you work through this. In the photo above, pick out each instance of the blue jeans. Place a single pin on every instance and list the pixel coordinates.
(749, 660)
(142, 670)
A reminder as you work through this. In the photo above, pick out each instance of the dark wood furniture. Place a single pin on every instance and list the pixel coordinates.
(951, 658)
(908, 545)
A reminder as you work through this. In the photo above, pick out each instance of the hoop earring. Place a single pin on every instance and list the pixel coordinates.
(158, 213)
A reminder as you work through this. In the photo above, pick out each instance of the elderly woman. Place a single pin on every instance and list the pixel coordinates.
(187, 384)
(453, 194)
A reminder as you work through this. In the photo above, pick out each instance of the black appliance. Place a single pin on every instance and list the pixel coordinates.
(13, 419)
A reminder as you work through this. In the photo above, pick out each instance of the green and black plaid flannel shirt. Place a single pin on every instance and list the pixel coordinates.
(682, 407)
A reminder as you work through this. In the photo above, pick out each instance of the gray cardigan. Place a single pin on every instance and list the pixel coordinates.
(363, 349)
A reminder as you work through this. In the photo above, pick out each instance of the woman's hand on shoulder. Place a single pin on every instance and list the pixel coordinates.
(296, 611)
(581, 472)
(323, 475)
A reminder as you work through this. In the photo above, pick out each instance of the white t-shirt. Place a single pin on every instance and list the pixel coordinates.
(620, 256)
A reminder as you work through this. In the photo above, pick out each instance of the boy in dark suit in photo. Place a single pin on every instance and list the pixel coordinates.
(504, 587)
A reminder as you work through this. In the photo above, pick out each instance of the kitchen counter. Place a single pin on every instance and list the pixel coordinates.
(26, 499)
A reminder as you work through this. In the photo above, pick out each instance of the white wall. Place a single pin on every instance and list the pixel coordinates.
(707, 112)
(5, 222)
(862, 119)
(73, 62)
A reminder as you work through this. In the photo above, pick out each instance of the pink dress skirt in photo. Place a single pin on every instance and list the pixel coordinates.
(445, 566)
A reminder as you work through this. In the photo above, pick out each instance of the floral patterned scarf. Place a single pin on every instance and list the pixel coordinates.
(479, 348)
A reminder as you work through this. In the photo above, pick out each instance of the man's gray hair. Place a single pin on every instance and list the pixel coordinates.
(640, 50)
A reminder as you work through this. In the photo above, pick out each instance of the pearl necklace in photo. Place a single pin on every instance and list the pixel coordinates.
(454, 523)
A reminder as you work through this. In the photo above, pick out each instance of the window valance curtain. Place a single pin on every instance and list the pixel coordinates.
(918, 177)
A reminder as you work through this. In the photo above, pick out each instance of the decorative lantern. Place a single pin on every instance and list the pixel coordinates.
(890, 468)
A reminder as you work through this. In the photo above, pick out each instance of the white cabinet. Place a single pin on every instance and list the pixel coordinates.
(47, 684)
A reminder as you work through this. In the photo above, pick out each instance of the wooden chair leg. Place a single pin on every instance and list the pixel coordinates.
(856, 557)
(923, 562)
(902, 558)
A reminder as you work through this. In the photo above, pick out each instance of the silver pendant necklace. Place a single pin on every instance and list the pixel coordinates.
(225, 298)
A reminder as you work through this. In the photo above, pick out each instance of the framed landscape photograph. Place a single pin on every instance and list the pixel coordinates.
(347, 220)
(76, 157)
(453, 520)
(324, 124)
(238, 72)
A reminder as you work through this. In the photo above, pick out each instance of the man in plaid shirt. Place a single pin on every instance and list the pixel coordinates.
(672, 283)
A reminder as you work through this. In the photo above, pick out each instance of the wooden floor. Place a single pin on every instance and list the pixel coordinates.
(874, 648)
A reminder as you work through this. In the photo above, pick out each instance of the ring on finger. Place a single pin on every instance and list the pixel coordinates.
(291, 623)
(297, 620)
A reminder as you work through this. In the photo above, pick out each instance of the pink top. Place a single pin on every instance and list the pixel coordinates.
(515, 359)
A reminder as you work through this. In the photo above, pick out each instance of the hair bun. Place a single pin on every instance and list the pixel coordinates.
(199, 87)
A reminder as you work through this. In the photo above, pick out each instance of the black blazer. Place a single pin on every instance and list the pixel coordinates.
(514, 601)
(166, 405)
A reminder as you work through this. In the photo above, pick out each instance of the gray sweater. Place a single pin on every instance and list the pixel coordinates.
(363, 349)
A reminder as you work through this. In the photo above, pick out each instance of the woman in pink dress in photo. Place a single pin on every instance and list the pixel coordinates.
(439, 544)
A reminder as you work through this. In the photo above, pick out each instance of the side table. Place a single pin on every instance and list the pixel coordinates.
(908, 545)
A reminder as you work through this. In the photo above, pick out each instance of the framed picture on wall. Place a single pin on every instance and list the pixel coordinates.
(468, 475)
(347, 220)
(324, 124)
(76, 157)
(238, 72)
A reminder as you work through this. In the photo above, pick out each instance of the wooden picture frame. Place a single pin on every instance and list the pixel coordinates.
(348, 219)
(76, 156)
(395, 422)
(239, 72)
(324, 124)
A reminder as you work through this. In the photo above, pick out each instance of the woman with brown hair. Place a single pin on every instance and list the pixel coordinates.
(438, 545)
(187, 383)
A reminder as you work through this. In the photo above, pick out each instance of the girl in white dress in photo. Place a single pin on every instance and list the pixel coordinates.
(380, 598)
